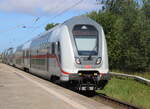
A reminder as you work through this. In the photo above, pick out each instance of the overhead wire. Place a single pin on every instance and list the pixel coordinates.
(11, 28)
(59, 13)
(17, 26)
(67, 9)
(38, 18)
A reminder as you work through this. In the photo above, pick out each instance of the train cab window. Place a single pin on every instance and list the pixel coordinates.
(86, 39)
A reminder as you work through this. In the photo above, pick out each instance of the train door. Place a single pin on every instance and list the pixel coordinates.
(26, 58)
(54, 63)
(51, 51)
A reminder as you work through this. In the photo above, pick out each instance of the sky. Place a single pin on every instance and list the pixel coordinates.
(21, 20)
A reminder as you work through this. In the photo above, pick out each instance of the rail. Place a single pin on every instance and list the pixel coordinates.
(137, 78)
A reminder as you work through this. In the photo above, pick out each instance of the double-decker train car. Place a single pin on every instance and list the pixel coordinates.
(7, 56)
(74, 52)
(4, 55)
(10, 56)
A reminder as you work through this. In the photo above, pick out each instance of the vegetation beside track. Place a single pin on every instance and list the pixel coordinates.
(126, 25)
(129, 91)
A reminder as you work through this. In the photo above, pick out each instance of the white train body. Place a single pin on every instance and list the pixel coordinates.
(74, 52)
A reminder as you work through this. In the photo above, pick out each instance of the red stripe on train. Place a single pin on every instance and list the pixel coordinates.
(38, 56)
(46, 56)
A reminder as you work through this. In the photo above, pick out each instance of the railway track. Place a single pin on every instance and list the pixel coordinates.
(102, 98)
(117, 104)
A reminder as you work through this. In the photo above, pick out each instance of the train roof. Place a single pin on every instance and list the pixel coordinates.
(14, 50)
(26, 45)
(73, 20)
(19, 48)
(80, 20)
(70, 23)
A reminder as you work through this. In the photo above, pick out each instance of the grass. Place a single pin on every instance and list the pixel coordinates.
(128, 90)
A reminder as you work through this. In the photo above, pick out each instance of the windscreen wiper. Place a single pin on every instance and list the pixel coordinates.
(90, 55)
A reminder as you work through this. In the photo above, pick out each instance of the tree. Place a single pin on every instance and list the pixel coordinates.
(49, 26)
(127, 27)
(146, 8)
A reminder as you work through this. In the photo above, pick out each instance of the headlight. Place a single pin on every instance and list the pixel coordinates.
(78, 60)
(98, 61)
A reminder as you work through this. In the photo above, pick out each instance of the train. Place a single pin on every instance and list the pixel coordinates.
(73, 52)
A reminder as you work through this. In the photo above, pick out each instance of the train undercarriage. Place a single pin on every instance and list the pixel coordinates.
(87, 81)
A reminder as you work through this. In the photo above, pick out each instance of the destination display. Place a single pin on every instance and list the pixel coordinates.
(84, 32)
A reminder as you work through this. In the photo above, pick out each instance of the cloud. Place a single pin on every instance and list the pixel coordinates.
(46, 7)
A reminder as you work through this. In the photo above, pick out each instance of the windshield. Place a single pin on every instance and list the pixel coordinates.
(86, 38)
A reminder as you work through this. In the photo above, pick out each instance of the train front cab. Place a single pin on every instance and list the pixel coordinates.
(90, 58)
